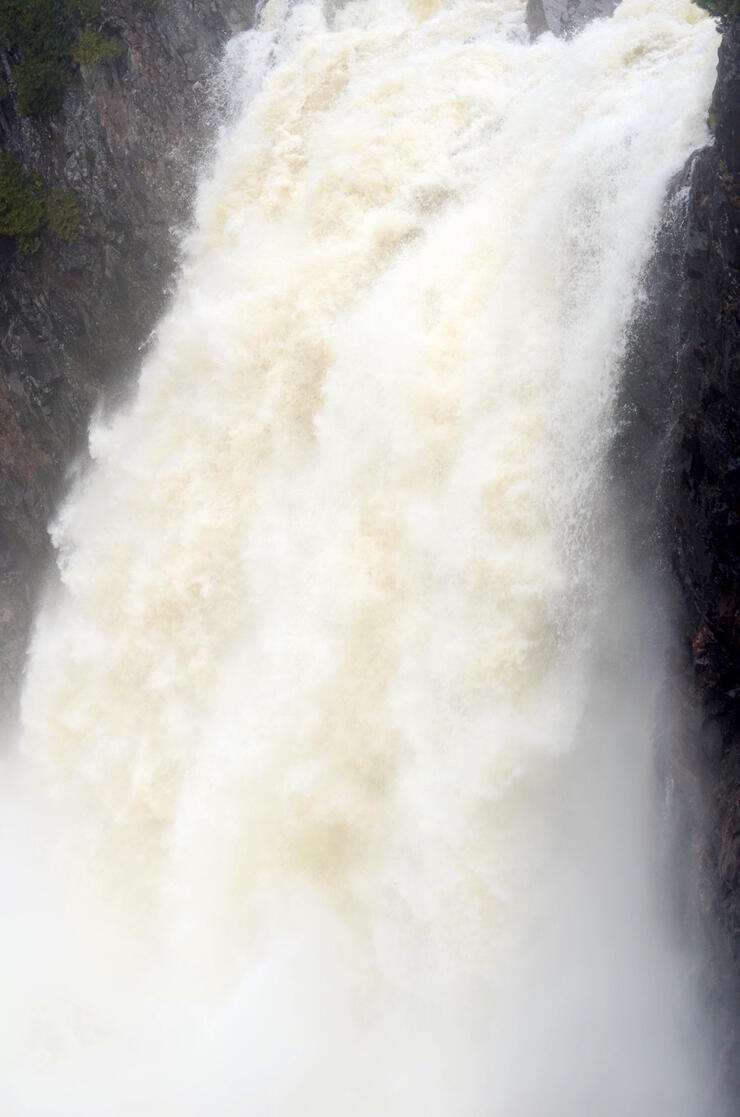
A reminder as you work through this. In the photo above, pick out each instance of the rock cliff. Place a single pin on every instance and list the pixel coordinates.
(678, 463)
(76, 308)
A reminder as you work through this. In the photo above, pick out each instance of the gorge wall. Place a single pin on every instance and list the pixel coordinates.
(75, 312)
(702, 486)
(677, 464)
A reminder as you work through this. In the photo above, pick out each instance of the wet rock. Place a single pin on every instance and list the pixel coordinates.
(725, 111)
(565, 17)
(678, 461)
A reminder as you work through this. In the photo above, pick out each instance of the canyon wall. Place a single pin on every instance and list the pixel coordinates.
(677, 467)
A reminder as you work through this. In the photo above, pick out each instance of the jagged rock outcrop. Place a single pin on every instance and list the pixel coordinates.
(680, 439)
(565, 17)
(73, 316)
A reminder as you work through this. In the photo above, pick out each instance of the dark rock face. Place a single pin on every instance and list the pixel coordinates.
(704, 479)
(680, 439)
(73, 317)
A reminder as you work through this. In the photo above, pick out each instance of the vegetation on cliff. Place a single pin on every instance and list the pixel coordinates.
(63, 214)
(26, 207)
(92, 47)
(44, 40)
(22, 203)
(38, 34)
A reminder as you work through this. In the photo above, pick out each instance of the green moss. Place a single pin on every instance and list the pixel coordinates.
(64, 215)
(39, 27)
(40, 32)
(92, 47)
(26, 207)
(48, 37)
(40, 87)
(83, 11)
(29, 245)
(22, 203)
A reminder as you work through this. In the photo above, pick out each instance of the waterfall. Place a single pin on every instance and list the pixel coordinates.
(333, 790)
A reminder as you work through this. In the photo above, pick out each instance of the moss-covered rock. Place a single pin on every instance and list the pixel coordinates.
(22, 203)
(48, 37)
(63, 215)
(41, 33)
(92, 47)
(26, 208)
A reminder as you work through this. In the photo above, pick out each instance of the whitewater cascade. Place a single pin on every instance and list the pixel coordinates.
(332, 793)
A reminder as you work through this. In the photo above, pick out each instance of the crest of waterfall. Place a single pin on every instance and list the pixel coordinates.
(333, 786)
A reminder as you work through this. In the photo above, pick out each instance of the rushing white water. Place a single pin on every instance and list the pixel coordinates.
(334, 782)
